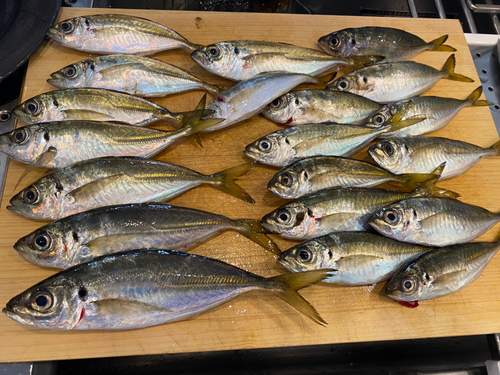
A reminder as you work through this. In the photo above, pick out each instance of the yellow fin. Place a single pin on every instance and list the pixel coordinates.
(449, 69)
(496, 147)
(253, 230)
(87, 192)
(439, 45)
(224, 181)
(429, 189)
(474, 97)
(412, 180)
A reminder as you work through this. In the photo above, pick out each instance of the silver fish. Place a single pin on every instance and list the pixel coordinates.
(390, 82)
(250, 97)
(139, 76)
(142, 288)
(243, 59)
(117, 34)
(358, 258)
(317, 106)
(336, 210)
(435, 112)
(441, 272)
(433, 221)
(392, 44)
(82, 237)
(93, 105)
(111, 181)
(423, 154)
(309, 175)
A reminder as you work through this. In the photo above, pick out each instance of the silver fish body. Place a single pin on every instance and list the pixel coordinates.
(92, 105)
(112, 181)
(423, 154)
(393, 44)
(117, 34)
(82, 237)
(433, 221)
(248, 98)
(358, 258)
(435, 111)
(296, 142)
(317, 106)
(243, 59)
(390, 82)
(441, 272)
(139, 76)
(142, 288)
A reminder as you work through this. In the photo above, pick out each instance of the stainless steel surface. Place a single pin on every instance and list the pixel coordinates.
(6, 125)
(482, 8)
(468, 17)
(413, 8)
(440, 9)
(494, 18)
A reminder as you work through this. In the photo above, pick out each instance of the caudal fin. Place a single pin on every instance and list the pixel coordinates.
(396, 122)
(496, 147)
(438, 45)
(429, 188)
(413, 180)
(474, 97)
(288, 285)
(253, 230)
(449, 70)
(225, 181)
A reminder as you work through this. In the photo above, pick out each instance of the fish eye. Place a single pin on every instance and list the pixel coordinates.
(214, 51)
(265, 145)
(43, 241)
(388, 148)
(304, 254)
(335, 41)
(287, 179)
(70, 71)
(284, 216)
(4, 115)
(30, 195)
(19, 136)
(32, 107)
(277, 102)
(42, 301)
(343, 85)
(379, 119)
(391, 217)
(66, 27)
(408, 285)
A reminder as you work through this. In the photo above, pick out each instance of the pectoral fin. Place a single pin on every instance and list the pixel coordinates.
(87, 114)
(449, 280)
(119, 307)
(352, 262)
(114, 243)
(41, 161)
(93, 188)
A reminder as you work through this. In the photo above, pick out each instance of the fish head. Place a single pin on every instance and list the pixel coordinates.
(381, 117)
(293, 220)
(51, 304)
(41, 200)
(408, 284)
(397, 221)
(24, 144)
(339, 43)
(41, 108)
(73, 76)
(71, 32)
(307, 256)
(284, 109)
(51, 245)
(217, 58)
(271, 149)
(356, 83)
(391, 154)
(290, 182)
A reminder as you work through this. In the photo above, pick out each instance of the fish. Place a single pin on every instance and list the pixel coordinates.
(315, 173)
(436, 111)
(111, 181)
(243, 59)
(147, 287)
(390, 82)
(432, 221)
(60, 144)
(79, 238)
(422, 154)
(288, 145)
(358, 258)
(93, 105)
(117, 34)
(134, 75)
(337, 210)
(390, 43)
(248, 98)
(440, 272)
(317, 106)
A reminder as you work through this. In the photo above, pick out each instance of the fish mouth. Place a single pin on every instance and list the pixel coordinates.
(55, 80)
(375, 152)
(251, 152)
(378, 224)
(200, 58)
(55, 34)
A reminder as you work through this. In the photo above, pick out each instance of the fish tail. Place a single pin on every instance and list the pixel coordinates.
(429, 188)
(396, 122)
(474, 97)
(193, 46)
(289, 284)
(224, 181)
(496, 148)
(326, 79)
(449, 70)
(438, 44)
(413, 180)
(253, 230)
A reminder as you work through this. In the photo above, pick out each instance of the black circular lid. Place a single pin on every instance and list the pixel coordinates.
(23, 24)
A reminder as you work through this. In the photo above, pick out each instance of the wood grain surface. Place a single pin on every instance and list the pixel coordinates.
(259, 320)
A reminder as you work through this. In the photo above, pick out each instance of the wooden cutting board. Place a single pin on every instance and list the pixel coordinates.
(258, 320)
